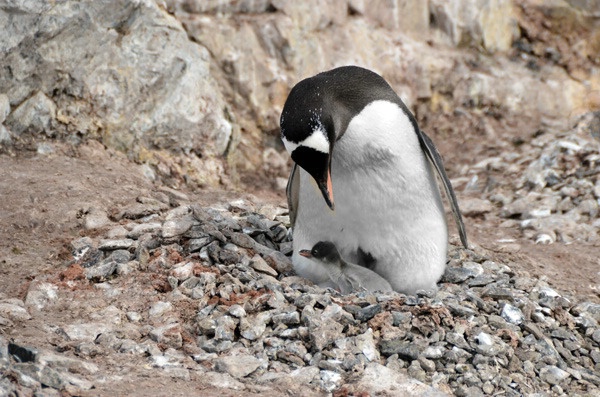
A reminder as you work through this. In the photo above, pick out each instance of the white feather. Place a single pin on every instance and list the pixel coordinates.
(386, 202)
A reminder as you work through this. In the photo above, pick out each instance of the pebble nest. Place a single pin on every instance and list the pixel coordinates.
(208, 294)
(191, 290)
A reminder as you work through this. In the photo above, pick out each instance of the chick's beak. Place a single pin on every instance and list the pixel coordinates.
(305, 253)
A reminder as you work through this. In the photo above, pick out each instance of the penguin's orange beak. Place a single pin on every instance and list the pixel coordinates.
(326, 189)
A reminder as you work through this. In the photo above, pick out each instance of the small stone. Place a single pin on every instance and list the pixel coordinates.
(426, 364)
(401, 318)
(101, 271)
(292, 318)
(22, 354)
(367, 313)
(325, 334)
(252, 327)
(160, 308)
(433, 352)
(222, 381)
(96, 219)
(225, 328)
(260, 265)
(238, 366)
(472, 207)
(42, 373)
(85, 331)
(553, 375)
(330, 380)
(40, 294)
(405, 350)
(496, 292)
(116, 233)
(237, 311)
(279, 262)
(134, 317)
(183, 271)
(169, 334)
(15, 312)
(512, 314)
(457, 340)
(120, 244)
(143, 228)
(365, 343)
(456, 275)
(177, 227)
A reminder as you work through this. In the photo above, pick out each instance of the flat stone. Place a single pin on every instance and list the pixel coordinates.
(237, 311)
(225, 328)
(159, 308)
(365, 343)
(553, 374)
(57, 360)
(222, 381)
(280, 262)
(368, 312)
(456, 275)
(43, 374)
(474, 207)
(252, 327)
(86, 331)
(177, 227)
(120, 244)
(325, 334)
(404, 349)
(512, 314)
(260, 265)
(14, 312)
(143, 228)
(238, 366)
(292, 318)
(101, 271)
(40, 294)
(169, 334)
(96, 219)
(380, 380)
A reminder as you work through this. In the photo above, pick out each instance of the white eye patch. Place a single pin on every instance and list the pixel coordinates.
(317, 140)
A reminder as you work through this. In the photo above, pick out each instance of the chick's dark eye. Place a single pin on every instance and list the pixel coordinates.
(315, 252)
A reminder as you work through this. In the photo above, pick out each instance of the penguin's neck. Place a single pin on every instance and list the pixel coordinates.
(380, 136)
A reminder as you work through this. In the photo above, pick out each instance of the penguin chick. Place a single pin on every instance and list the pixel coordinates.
(347, 276)
(351, 137)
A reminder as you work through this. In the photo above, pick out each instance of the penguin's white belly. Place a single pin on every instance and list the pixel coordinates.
(387, 203)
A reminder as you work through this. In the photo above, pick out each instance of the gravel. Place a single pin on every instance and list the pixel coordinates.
(208, 290)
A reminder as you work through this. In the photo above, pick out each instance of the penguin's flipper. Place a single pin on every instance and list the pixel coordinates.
(434, 157)
(292, 191)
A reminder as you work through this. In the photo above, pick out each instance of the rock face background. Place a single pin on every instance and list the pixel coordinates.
(190, 87)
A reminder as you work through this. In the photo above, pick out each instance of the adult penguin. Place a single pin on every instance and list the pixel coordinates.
(352, 138)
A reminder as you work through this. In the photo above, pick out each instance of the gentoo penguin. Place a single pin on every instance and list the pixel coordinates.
(351, 137)
(348, 277)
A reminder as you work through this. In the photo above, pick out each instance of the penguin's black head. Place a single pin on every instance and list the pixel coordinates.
(308, 134)
(324, 251)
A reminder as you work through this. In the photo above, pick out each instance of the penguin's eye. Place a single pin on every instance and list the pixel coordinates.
(315, 252)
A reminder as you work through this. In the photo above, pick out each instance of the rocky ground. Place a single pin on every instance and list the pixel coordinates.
(116, 285)
(122, 272)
